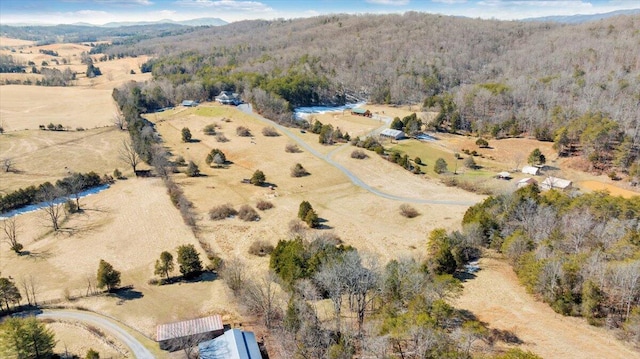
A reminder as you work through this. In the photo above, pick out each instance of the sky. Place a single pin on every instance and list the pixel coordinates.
(99, 12)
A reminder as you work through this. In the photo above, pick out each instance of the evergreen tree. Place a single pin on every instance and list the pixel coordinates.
(189, 261)
(107, 276)
(25, 338)
(164, 265)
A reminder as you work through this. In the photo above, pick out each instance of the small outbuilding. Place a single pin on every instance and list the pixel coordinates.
(233, 344)
(361, 112)
(228, 98)
(555, 182)
(504, 175)
(189, 103)
(531, 170)
(526, 182)
(179, 335)
(393, 134)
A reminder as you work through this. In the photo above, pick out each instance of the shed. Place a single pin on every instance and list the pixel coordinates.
(178, 335)
(361, 112)
(233, 344)
(555, 182)
(504, 175)
(531, 170)
(391, 133)
(189, 103)
(526, 182)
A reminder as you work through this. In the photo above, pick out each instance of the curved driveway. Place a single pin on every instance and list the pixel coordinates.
(137, 349)
(246, 108)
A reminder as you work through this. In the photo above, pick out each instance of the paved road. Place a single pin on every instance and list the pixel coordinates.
(246, 108)
(137, 349)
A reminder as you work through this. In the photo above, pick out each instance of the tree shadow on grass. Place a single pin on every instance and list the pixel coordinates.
(464, 276)
(126, 293)
(46, 254)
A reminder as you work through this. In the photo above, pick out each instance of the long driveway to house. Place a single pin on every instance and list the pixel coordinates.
(246, 108)
(137, 349)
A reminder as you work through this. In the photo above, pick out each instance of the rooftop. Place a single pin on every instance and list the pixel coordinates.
(233, 344)
(189, 327)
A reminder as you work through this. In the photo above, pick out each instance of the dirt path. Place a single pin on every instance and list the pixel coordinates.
(496, 297)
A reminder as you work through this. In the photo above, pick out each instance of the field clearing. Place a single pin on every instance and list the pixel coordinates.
(496, 297)
(75, 151)
(368, 222)
(9, 42)
(130, 237)
(77, 340)
(613, 190)
(27, 107)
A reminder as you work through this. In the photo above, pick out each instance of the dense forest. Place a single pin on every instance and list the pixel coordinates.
(495, 78)
(579, 254)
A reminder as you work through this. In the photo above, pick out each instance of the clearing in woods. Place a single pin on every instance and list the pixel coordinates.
(496, 297)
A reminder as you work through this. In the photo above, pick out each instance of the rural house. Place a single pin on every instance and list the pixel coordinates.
(189, 103)
(228, 98)
(361, 112)
(504, 175)
(526, 182)
(393, 134)
(233, 344)
(557, 183)
(531, 170)
(179, 335)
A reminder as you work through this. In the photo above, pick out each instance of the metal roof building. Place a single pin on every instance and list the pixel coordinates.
(233, 344)
(174, 336)
(391, 133)
(555, 182)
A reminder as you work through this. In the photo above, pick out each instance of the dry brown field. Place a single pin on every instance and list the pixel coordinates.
(132, 222)
(9, 42)
(496, 297)
(74, 338)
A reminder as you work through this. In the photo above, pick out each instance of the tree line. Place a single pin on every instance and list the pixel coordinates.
(579, 254)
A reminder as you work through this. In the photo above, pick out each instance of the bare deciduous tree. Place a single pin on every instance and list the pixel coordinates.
(127, 154)
(53, 207)
(262, 298)
(119, 121)
(30, 287)
(10, 229)
(234, 274)
(8, 164)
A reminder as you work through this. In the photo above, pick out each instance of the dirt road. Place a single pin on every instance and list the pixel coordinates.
(352, 177)
(496, 297)
(137, 349)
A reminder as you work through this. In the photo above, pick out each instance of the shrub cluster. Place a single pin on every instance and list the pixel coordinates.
(264, 205)
(209, 130)
(181, 202)
(261, 248)
(359, 154)
(292, 148)
(299, 171)
(248, 214)
(222, 212)
(408, 211)
(270, 132)
(243, 131)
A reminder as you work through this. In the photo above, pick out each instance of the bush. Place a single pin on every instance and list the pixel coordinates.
(299, 171)
(192, 170)
(180, 161)
(186, 135)
(408, 211)
(248, 214)
(117, 174)
(243, 131)
(220, 137)
(482, 143)
(222, 212)
(469, 162)
(440, 166)
(359, 154)
(264, 205)
(297, 228)
(216, 156)
(260, 248)
(292, 148)
(71, 207)
(209, 130)
(270, 132)
(258, 178)
(418, 161)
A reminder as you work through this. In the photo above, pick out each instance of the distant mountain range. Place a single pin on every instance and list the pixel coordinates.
(203, 21)
(578, 19)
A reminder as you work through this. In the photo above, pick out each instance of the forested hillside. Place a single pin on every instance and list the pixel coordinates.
(495, 78)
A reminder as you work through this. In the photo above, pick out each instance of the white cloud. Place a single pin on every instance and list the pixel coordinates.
(389, 2)
(227, 5)
(125, 2)
(450, 2)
